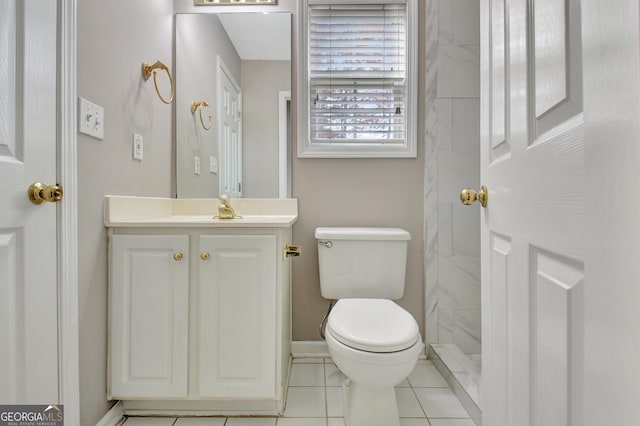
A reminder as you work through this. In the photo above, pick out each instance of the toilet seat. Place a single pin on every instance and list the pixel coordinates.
(372, 325)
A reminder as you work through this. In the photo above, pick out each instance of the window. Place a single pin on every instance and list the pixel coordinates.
(358, 79)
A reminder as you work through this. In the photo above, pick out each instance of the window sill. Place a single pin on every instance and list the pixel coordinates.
(341, 150)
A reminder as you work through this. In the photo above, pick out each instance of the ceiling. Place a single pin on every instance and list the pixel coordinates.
(259, 36)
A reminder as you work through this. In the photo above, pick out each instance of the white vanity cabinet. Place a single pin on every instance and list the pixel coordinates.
(199, 308)
(232, 280)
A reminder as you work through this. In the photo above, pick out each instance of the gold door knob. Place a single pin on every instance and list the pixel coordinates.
(468, 196)
(177, 255)
(204, 255)
(39, 193)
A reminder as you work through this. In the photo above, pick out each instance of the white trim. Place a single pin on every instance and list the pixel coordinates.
(309, 349)
(69, 353)
(283, 146)
(408, 150)
(113, 417)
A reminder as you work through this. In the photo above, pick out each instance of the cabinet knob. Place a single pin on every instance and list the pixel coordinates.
(204, 255)
(177, 255)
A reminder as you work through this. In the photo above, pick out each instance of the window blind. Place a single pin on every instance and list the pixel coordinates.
(357, 73)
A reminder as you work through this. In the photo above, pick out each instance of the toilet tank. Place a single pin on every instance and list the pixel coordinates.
(362, 262)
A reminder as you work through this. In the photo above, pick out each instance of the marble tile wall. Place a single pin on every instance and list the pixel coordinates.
(452, 257)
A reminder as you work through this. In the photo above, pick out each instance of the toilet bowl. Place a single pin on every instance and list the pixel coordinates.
(372, 340)
(375, 344)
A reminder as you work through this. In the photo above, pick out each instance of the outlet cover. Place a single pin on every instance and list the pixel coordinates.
(213, 164)
(196, 165)
(138, 146)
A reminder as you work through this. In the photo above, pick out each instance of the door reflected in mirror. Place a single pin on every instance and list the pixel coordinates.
(240, 65)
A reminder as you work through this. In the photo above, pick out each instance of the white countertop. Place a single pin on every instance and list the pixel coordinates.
(121, 211)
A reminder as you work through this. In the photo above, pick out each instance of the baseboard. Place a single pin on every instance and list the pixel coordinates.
(309, 349)
(114, 417)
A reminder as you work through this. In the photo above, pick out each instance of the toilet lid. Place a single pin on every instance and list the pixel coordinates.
(372, 325)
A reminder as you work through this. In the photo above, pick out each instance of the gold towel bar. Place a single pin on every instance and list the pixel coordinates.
(201, 105)
(146, 73)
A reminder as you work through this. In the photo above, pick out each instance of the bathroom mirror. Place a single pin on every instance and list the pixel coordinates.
(240, 65)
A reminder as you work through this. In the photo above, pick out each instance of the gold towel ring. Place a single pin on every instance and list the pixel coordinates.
(201, 104)
(146, 73)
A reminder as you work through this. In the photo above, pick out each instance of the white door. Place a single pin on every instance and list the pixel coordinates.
(611, 46)
(533, 228)
(28, 271)
(230, 140)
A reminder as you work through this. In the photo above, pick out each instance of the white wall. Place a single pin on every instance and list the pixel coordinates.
(453, 163)
(114, 38)
(261, 82)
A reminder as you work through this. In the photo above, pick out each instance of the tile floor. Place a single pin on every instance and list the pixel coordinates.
(315, 399)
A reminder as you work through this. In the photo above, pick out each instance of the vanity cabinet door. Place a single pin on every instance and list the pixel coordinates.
(149, 279)
(236, 316)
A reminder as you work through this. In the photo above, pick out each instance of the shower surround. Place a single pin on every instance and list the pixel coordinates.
(452, 163)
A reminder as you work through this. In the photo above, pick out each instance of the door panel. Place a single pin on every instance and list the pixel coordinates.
(550, 52)
(495, 305)
(556, 301)
(11, 306)
(498, 86)
(7, 77)
(556, 57)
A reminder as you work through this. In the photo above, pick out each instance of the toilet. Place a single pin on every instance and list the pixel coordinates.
(372, 340)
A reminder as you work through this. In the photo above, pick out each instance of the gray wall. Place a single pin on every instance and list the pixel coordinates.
(348, 192)
(261, 82)
(199, 40)
(453, 163)
(114, 38)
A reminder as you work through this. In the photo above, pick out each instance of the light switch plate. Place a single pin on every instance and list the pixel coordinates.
(138, 146)
(196, 165)
(91, 119)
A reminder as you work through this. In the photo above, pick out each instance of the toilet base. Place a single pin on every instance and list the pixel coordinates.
(364, 406)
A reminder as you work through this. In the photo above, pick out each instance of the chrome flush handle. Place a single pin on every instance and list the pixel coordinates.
(327, 244)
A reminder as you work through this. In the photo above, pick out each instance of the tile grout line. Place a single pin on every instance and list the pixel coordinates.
(418, 399)
(326, 397)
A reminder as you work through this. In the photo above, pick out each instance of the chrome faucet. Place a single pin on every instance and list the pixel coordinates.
(225, 211)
